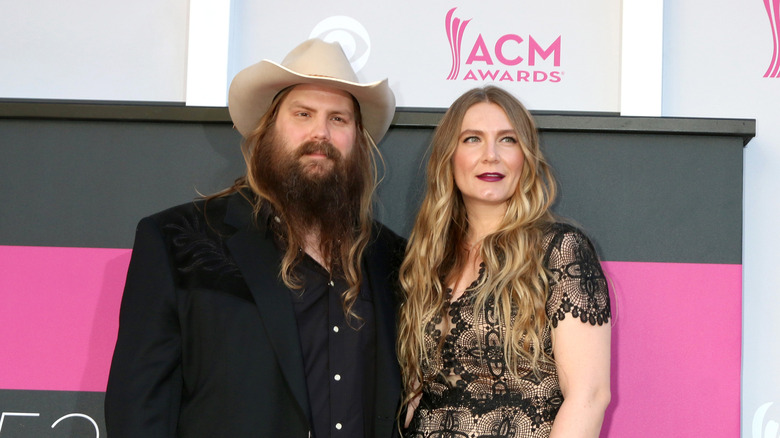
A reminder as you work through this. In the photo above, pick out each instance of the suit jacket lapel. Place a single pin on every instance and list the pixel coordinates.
(259, 261)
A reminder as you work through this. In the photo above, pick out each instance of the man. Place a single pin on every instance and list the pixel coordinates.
(268, 309)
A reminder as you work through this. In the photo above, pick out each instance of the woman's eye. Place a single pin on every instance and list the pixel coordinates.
(471, 139)
(509, 140)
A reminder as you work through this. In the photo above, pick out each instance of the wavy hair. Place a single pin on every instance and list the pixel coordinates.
(347, 261)
(515, 279)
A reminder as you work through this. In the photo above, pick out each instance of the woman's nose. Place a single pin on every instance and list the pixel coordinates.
(489, 151)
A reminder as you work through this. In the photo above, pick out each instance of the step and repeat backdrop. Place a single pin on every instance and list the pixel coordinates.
(660, 198)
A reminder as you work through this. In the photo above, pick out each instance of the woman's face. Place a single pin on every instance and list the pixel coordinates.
(488, 159)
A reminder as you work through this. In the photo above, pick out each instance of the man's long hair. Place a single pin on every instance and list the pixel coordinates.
(341, 259)
(515, 279)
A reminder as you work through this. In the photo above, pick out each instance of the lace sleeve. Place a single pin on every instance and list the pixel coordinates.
(577, 282)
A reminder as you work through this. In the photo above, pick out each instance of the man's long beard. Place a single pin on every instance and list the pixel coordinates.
(320, 196)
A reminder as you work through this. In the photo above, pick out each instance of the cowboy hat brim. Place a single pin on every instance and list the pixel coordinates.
(254, 88)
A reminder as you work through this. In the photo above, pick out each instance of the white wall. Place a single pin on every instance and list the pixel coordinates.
(715, 55)
(111, 50)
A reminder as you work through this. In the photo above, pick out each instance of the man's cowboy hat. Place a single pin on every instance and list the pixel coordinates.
(313, 62)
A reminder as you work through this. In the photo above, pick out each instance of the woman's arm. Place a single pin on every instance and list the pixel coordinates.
(580, 309)
(582, 356)
(410, 408)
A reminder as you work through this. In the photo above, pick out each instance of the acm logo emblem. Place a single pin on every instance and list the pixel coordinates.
(773, 11)
(498, 60)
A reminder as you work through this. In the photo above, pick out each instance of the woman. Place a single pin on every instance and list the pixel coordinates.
(504, 331)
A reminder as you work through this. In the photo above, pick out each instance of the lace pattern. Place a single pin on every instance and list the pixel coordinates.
(468, 392)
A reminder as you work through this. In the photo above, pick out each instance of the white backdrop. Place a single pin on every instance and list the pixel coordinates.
(569, 59)
(557, 54)
(93, 49)
(715, 55)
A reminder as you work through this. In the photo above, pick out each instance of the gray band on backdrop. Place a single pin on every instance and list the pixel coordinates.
(644, 189)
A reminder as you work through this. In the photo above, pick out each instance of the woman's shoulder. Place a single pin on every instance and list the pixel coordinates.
(567, 241)
(561, 228)
(556, 232)
(577, 281)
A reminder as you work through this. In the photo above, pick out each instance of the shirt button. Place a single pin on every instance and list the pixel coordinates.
(335, 329)
(330, 283)
(337, 377)
(338, 426)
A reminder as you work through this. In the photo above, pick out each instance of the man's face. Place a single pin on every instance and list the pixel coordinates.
(305, 161)
(318, 115)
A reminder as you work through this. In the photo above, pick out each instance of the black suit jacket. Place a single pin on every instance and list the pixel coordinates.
(208, 343)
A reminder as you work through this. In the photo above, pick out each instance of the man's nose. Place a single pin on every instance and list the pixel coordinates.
(320, 130)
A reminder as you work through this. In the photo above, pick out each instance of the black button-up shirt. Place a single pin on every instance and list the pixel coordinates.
(337, 355)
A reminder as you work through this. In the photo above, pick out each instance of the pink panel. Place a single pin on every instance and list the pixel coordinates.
(676, 340)
(58, 316)
(676, 350)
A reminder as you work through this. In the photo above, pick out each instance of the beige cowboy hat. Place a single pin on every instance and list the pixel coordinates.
(313, 62)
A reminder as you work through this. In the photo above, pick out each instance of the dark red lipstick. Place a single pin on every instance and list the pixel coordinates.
(491, 176)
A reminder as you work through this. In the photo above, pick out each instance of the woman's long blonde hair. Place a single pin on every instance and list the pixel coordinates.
(514, 279)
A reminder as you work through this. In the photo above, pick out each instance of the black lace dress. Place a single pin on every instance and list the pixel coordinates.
(468, 393)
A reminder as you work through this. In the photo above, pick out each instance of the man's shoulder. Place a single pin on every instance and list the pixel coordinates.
(193, 207)
(204, 217)
(382, 233)
(385, 244)
(211, 210)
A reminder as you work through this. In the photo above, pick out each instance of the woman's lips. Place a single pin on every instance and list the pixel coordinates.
(491, 176)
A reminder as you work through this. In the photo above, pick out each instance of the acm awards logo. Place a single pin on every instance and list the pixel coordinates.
(773, 11)
(490, 60)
